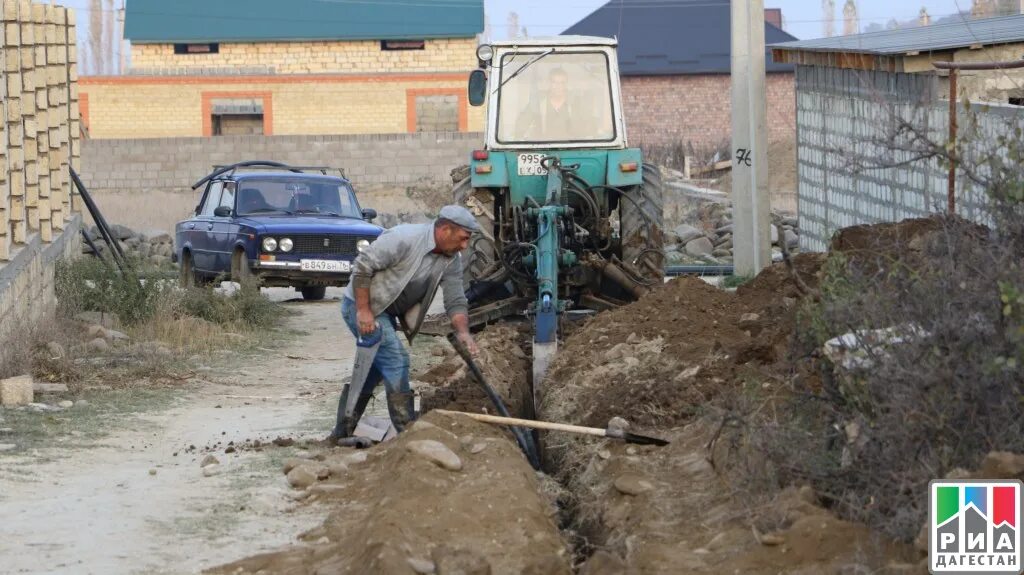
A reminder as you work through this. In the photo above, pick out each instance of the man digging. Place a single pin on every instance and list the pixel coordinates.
(393, 282)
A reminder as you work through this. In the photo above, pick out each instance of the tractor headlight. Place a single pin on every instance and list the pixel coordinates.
(484, 52)
(285, 244)
(269, 244)
(361, 245)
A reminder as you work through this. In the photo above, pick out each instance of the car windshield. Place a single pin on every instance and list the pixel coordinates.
(296, 196)
(562, 97)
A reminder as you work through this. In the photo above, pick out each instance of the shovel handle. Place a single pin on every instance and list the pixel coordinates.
(528, 423)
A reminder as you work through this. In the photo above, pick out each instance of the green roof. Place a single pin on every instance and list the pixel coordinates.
(181, 21)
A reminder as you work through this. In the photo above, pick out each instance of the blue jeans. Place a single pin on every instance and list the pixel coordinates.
(390, 365)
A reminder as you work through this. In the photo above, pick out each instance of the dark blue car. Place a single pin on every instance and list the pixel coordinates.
(286, 227)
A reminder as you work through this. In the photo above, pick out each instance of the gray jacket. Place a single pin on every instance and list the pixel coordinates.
(391, 261)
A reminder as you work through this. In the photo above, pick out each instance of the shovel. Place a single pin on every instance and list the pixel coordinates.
(609, 432)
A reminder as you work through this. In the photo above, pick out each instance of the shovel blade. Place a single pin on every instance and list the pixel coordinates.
(644, 439)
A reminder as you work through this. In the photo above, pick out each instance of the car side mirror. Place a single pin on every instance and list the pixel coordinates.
(222, 212)
(369, 214)
(477, 87)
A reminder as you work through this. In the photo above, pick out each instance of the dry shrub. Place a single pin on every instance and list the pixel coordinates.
(870, 433)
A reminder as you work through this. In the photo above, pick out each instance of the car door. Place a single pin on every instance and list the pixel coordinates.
(224, 230)
(203, 249)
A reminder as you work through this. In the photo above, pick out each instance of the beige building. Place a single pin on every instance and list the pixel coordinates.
(292, 68)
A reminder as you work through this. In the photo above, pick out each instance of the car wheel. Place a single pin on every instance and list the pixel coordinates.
(241, 273)
(186, 273)
(313, 293)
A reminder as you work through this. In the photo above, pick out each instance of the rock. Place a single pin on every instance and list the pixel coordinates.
(688, 373)
(15, 391)
(55, 350)
(775, 234)
(630, 362)
(356, 458)
(437, 352)
(116, 335)
(421, 566)
(790, 221)
(726, 245)
(618, 351)
(152, 471)
(771, 539)
(337, 469)
(618, 423)
(435, 452)
(293, 462)
(686, 232)
(721, 253)
(791, 238)
(302, 477)
(81, 403)
(7, 446)
(1002, 465)
(211, 470)
(97, 331)
(722, 240)
(49, 388)
(283, 441)
(209, 460)
(631, 484)
(699, 247)
(477, 447)
(749, 318)
(66, 404)
(99, 345)
(160, 238)
(121, 232)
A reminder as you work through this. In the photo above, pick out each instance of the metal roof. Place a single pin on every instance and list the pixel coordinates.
(207, 21)
(677, 37)
(937, 37)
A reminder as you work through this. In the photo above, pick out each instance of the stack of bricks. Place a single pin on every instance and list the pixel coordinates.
(41, 121)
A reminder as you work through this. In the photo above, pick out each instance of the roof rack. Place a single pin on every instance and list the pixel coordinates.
(219, 170)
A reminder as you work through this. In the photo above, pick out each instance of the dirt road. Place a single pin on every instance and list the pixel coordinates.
(136, 499)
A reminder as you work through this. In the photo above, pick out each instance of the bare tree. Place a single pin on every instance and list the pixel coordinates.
(512, 25)
(828, 15)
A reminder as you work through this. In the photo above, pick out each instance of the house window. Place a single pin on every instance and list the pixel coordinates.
(1017, 101)
(237, 117)
(403, 44)
(196, 48)
(437, 113)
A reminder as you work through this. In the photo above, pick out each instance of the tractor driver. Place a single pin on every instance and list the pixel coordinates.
(394, 280)
(554, 118)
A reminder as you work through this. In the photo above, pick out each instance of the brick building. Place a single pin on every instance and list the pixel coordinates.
(251, 67)
(674, 59)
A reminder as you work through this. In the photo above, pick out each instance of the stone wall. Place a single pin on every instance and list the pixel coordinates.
(145, 183)
(697, 109)
(39, 135)
(351, 56)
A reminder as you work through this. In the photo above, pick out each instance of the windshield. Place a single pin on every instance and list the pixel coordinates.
(562, 97)
(296, 196)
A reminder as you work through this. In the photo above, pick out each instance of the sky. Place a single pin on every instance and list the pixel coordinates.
(803, 17)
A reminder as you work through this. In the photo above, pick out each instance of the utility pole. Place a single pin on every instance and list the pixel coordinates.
(751, 223)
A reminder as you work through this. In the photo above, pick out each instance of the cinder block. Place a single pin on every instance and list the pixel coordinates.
(16, 391)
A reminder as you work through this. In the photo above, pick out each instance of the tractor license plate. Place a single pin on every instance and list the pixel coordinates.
(529, 165)
(325, 266)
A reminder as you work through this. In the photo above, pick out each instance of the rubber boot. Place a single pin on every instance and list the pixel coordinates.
(402, 409)
(346, 426)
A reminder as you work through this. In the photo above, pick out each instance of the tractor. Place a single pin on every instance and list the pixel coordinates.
(572, 216)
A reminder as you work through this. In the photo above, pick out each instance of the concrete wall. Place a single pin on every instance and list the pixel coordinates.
(697, 109)
(182, 106)
(145, 183)
(39, 134)
(848, 172)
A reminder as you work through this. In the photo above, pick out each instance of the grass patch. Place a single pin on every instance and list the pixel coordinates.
(735, 281)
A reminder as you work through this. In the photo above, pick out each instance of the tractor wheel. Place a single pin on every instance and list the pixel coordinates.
(313, 293)
(482, 252)
(641, 220)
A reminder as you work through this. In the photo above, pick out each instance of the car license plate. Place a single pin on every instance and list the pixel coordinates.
(529, 165)
(325, 265)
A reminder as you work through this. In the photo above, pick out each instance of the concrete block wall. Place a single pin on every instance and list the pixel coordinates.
(327, 57)
(39, 134)
(843, 117)
(697, 109)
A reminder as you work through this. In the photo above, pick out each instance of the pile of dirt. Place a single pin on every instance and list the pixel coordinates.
(448, 496)
(658, 360)
(503, 361)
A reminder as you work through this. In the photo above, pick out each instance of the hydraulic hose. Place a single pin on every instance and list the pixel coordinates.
(524, 439)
